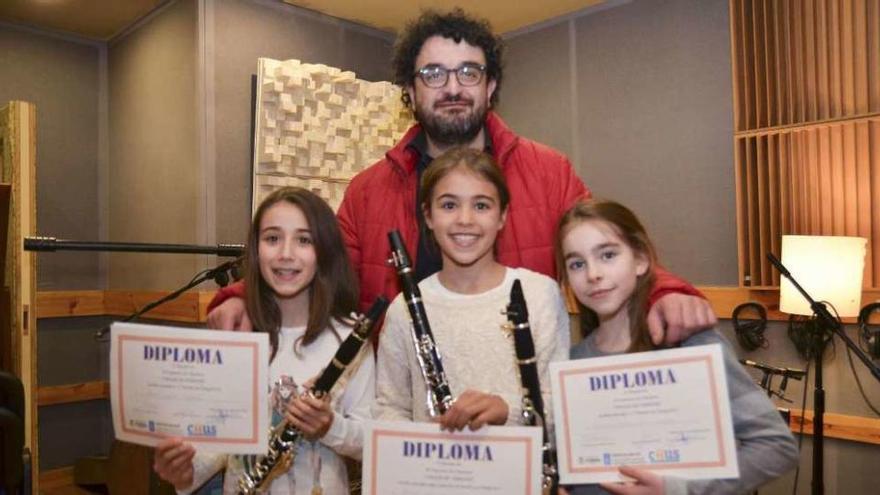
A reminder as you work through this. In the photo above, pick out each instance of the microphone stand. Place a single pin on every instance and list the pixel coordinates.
(218, 273)
(215, 274)
(826, 322)
(52, 244)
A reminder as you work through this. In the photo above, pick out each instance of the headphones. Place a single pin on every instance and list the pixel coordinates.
(869, 335)
(750, 332)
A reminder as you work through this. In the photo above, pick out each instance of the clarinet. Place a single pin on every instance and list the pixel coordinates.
(533, 412)
(283, 438)
(439, 397)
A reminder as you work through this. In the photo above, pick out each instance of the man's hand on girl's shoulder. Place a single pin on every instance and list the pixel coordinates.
(230, 315)
(675, 317)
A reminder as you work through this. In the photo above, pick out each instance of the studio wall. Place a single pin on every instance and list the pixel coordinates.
(60, 75)
(154, 170)
(639, 96)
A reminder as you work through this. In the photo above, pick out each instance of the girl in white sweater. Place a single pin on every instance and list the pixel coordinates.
(464, 200)
(300, 290)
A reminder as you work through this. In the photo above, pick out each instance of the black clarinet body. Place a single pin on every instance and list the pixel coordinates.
(439, 397)
(533, 411)
(283, 438)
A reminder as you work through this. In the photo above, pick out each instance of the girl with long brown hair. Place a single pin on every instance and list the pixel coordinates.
(301, 290)
(604, 255)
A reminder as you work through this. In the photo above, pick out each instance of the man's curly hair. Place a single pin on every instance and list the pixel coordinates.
(455, 25)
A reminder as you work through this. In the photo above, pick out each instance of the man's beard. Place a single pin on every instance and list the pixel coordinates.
(452, 130)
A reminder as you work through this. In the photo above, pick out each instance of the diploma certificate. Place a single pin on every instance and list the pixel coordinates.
(207, 387)
(667, 411)
(403, 458)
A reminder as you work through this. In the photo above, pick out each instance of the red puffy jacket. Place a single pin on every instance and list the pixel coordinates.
(542, 183)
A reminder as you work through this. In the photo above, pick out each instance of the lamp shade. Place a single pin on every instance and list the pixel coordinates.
(829, 268)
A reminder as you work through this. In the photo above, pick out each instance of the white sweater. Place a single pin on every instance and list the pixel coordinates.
(345, 436)
(475, 351)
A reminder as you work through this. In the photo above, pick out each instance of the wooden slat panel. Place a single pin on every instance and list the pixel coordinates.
(758, 64)
(822, 63)
(808, 72)
(768, 78)
(77, 392)
(734, 11)
(860, 55)
(797, 36)
(777, 76)
(762, 211)
(809, 43)
(785, 197)
(825, 186)
(815, 184)
(874, 55)
(848, 73)
(863, 166)
(790, 63)
(835, 94)
(875, 200)
(748, 66)
(799, 165)
(742, 232)
(840, 181)
(795, 183)
(751, 205)
(775, 232)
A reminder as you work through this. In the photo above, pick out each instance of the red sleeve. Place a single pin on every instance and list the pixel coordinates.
(667, 283)
(231, 290)
(348, 226)
(572, 188)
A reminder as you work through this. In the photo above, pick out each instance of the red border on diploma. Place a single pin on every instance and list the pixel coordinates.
(586, 368)
(374, 440)
(171, 340)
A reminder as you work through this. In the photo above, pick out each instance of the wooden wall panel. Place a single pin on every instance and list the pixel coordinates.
(806, 77)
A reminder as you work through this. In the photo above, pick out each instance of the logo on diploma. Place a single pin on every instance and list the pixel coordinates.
(201, 430)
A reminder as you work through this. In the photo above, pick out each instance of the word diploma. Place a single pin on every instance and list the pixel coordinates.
(403, 458)
(206, 387)
(667, 411)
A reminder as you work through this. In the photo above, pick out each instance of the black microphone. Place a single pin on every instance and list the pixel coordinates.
(766, 368)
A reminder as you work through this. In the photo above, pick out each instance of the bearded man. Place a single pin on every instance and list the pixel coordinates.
(449, 67)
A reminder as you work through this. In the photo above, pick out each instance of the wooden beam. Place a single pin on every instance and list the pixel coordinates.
(725, 299)
(56, 304)
(193, 307)
(54, 479)
(184, 308)
(75, 392)
(842, 426)
(189, 307)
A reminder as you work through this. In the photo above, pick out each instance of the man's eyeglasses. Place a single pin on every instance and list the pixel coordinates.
(435, 76)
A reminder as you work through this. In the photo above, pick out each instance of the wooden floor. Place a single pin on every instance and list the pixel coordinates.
(66, 490)
(60, 482)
